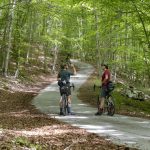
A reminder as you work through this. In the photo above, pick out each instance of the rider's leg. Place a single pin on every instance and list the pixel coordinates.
(103, 97)
(101, 106)
(69, 100)
(61, 104)
(69, 104)
(101, 100)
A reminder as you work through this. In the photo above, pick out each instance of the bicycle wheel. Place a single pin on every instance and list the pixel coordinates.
(110, 106)
(98, 102)
(64, 103)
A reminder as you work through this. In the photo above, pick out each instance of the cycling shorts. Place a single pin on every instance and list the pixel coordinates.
(104, 91)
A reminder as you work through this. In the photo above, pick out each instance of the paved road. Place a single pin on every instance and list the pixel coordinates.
(134, 132)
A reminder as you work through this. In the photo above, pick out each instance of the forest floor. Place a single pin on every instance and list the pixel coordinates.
(24, 127)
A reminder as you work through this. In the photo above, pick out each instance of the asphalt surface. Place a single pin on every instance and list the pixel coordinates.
(130, 131)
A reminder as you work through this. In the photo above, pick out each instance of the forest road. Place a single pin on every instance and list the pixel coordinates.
(130, 131)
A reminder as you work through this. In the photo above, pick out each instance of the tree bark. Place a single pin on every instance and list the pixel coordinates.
(97, 42)
(9, 38)
(144, 28)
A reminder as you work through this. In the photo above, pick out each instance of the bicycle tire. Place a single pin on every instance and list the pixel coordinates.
(98, 102)
(110, 106)
(64, 103)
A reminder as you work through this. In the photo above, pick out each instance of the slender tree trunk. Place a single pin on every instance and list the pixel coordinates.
(81, 53)
(45, 57)
(98, 57)
(55, 58)
(55, 50)
(144, 28)
(45, 45)
(147, 39)
(30, 39)
(2, 50)
(9, 38)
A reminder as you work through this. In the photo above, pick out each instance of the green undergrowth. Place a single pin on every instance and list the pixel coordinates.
(124, 105)
(21, 142)
(25, 143)
(131, 105)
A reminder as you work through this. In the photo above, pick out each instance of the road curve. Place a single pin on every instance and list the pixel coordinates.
(131, 131)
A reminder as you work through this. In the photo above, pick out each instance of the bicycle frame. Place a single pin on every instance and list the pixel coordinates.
(109, 103)
(65, 101)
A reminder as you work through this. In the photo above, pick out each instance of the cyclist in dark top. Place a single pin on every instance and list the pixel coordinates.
(104, 88)
(64, 76)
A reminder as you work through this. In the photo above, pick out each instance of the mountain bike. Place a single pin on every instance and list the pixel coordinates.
(109, 105)
(64, 90)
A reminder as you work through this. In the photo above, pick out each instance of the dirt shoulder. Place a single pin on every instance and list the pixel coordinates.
(22, 126)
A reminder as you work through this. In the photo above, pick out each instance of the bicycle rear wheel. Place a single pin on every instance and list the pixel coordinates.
(98, 102)
(110, 106)
(64, 103)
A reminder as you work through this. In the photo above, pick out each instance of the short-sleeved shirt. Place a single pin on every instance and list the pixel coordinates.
(106, 73)
(65, 75)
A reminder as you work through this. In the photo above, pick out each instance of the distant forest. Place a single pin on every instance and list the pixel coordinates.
(116, 32)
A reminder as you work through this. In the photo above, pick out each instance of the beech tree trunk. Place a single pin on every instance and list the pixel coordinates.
(10, 21)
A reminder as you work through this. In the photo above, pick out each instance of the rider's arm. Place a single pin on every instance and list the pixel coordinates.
(74, 69)
(105, 79)
(58, 77)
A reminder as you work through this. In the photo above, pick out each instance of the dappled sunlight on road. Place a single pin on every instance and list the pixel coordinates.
(144, 122)
(82, 104)
(119, 129)
(108, 131)
(98, 129)
(53, 87)
(45, 131)
(71, 117)
(80, 76)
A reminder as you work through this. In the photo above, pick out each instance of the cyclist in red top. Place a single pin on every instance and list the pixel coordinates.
(104, 90)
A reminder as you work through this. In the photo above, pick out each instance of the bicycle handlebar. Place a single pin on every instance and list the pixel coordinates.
(72, 86)
(94, 87)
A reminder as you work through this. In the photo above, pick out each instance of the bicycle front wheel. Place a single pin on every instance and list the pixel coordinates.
(110, 106)
(98, 102)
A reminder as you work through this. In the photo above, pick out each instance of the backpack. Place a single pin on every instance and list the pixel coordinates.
(64, 89)
(61, 83)
(110, 86)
